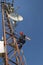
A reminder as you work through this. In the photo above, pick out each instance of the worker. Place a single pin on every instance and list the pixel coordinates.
(21, 40)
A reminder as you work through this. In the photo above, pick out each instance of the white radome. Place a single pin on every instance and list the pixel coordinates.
(15, 17)
(20, 18)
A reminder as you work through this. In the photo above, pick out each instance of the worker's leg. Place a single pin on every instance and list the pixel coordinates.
(20, 46)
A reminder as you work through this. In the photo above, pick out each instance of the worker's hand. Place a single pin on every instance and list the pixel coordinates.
(27, 38)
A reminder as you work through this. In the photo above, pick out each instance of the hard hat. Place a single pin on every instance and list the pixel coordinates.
(21, 33)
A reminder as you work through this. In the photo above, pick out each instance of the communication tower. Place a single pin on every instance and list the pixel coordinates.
(9, 50)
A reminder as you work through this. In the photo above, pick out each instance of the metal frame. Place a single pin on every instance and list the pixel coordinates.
(10, 40)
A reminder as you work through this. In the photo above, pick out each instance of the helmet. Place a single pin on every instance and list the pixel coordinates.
(21, 33)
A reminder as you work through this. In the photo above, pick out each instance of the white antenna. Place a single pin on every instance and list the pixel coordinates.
(15, 17)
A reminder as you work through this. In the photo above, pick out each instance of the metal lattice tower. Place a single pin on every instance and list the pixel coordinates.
(12, 55)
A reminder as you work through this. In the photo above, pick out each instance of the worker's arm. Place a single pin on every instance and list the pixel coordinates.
(27, 38)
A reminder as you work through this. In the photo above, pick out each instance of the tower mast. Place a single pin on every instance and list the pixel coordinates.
(12, 54)
(9, 39)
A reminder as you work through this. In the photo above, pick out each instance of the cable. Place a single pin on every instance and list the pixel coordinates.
(24, 57)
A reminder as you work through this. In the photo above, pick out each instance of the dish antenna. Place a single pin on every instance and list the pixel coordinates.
(15, 17)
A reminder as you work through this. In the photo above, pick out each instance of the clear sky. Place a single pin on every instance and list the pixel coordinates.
(32, 26)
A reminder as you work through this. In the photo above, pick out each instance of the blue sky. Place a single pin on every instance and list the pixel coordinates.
(32, 26)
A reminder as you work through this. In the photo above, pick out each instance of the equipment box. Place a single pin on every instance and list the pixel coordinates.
(2, 50)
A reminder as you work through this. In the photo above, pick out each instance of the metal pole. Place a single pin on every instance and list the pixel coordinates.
(3, 23)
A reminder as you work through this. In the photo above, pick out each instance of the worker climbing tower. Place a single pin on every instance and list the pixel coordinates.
(11, 44)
